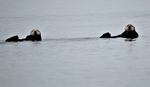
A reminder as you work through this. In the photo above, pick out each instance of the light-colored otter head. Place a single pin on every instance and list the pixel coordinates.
(35, 32)
(129, 28)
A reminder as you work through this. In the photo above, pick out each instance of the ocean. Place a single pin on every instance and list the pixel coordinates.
(71, 54)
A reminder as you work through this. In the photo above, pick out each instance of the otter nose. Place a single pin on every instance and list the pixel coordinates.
(129, 27)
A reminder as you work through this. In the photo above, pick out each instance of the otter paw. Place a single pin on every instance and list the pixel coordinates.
(106, 35)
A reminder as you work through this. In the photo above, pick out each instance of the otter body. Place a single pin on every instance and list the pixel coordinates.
(128, 33)
(35, 35)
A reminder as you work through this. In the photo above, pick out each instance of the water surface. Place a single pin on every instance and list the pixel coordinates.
(71, 53)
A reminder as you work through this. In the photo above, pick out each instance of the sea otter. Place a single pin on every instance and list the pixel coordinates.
(128, 33)
(35, 35)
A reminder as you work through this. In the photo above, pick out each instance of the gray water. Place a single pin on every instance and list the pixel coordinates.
(71, 53)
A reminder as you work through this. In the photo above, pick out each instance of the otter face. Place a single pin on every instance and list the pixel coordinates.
(129, 28)
(35, 32)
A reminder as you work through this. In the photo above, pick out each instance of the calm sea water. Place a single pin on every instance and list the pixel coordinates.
(71, 53)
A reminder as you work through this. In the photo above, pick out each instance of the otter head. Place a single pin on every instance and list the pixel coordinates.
(129, 28)
(129, 32)
(35, 32)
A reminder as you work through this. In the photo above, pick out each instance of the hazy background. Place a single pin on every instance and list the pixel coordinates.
(57, 7)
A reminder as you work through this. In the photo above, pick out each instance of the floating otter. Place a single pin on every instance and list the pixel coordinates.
(128, 33)
(35, 35)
